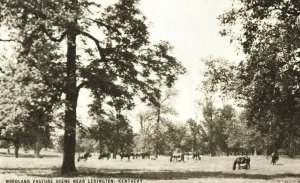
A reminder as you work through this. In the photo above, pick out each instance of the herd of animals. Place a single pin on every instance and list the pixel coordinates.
(242, 162)
(143, 155)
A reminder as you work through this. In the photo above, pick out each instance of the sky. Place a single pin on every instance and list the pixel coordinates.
(192, 27)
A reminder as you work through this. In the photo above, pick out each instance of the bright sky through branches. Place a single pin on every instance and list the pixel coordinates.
(192, 27)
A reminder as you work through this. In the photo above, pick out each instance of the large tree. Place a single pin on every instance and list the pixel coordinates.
(193, 134)
(25, 107)
(268, 32)
(121, 55)
(160, 110)
(217, 83)
(35, 86)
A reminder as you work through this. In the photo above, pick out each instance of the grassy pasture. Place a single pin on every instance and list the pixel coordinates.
(209, 169)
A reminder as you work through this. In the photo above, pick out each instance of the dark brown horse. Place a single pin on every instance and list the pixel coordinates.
(85, 156)
(126, 155)
(145, 155)
(104, 155)
(177, 157)
(137, 155)
(275, 158)
(141, 154)
(196, 155)
(242, 160)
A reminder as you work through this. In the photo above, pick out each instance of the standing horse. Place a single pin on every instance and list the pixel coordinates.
(177, 155)
(145, 155)
(126, 155)
(196, 155)
(242, 160)
(275, 158)
(137, 155)
(84, 156)
(104, 155)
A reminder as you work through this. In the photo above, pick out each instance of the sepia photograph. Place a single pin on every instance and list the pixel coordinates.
(141, 91)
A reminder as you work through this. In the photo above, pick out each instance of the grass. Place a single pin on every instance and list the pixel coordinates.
(209, 169)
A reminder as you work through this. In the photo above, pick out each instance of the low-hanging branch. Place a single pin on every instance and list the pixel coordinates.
(105, 25)
(84, 83)
(50, 36)
(83, 127)
(7, 40)
(97, 42)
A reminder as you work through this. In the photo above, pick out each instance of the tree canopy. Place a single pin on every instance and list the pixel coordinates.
(106, 49)
(268, 78)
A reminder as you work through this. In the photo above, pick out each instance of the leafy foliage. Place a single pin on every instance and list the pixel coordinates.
(269, 76)
(24, 105)
(121, 63)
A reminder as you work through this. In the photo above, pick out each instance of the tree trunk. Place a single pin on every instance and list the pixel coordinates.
(142, 125)
(211, 135)
(212, 149)
(100, 146)
(118, 133)
(38, 142)
(17, 147)
(194, 144)
(157, 150)
(292, 148)
(157, 131)
(68, 166)
(114, 152)
(117, 138)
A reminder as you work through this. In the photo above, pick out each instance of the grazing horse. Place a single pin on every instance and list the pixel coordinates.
(242, 160)
(141, 154)
(275, 158)
(177, 155)
(104, 155)
(196, 155)
(153, 158)
(84, 156)
(137, 155)
(145, 155)
(126, 155)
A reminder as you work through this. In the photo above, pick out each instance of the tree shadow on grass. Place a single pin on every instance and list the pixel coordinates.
(142, 174)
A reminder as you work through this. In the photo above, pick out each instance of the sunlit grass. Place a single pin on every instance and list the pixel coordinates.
(209, 169)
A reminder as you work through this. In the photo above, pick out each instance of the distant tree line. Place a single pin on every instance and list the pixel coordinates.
(55, 56)
(267, 80)
(52, 38)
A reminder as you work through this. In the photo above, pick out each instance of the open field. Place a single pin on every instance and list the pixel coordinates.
(209, 169)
